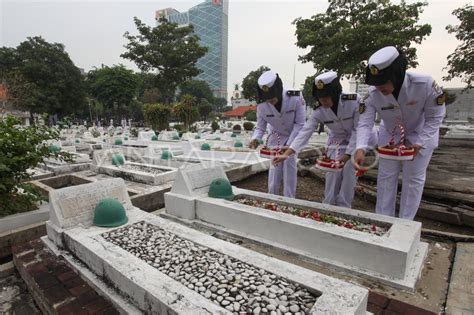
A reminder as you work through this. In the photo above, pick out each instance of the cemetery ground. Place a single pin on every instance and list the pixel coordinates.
(445, 280)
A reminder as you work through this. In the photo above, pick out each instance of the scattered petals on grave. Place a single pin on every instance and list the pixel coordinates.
(314, 215)
(226, 281)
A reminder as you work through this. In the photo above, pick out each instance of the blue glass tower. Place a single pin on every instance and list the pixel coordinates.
(210, 21)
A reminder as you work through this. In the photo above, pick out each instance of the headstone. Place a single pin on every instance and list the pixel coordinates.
(74, 206)
(145, 135)
(195, 180)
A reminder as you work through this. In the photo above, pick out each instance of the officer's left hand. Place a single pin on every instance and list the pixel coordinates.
(417, 148)
(345, 158)
(279, 158)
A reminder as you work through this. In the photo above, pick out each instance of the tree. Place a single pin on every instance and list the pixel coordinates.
(205, 108)
(115, 87)
(461, 61)
(167, 49)
(349, 31)
(41, 78)
(22, 148)
(185, 111)
(157, 115)
(308, 91)
(250, 83)
(251, 115)
(197, 88)
(219, 103)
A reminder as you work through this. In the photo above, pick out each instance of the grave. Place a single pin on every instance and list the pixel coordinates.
(162, 267)
(377, 247)
(137, 172)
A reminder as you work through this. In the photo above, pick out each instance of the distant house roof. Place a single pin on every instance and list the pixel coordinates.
(240, 111)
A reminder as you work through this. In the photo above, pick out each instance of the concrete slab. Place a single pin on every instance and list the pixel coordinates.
(153, 291)
(395, 258)
(461, 289)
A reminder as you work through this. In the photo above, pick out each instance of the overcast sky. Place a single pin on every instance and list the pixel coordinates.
(260, 32)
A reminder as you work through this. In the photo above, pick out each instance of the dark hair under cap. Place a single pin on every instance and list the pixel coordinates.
(275, 91)
(333, 89)
(395, 72)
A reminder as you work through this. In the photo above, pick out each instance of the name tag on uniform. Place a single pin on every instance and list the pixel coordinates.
(328, 122)
(388, 107)
(271, 115)
(290, 111)
(348, 118)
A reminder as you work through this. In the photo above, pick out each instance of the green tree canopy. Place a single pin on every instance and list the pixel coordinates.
(115, 87)
(251, 115)
(343, 37)
(219, 104)
(250, 83)
(168, 50)
(197, 88)
(308, 91)
(41, 78)
(205, 108)
(186, 111)
(157, 115)
(461, 61)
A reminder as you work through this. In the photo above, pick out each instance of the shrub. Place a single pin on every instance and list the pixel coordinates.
(248, 126)
(23, 148)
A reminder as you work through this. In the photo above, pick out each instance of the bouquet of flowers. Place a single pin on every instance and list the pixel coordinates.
(397, 152)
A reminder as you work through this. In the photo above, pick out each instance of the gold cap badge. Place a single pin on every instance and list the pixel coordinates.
(374, 70)
(265, 88)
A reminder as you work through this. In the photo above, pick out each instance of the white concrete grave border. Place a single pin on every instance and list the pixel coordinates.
(70, 228)
(395, 258)
(103, 164)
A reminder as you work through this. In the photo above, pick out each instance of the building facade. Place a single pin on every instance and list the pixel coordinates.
(356, 86)
(210, 21)
(462, 108)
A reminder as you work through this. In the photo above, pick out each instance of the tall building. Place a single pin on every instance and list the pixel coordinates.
(210, 21)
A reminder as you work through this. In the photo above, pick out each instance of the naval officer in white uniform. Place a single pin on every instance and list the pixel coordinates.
(417, 103)
(283, 111)
(339, 111)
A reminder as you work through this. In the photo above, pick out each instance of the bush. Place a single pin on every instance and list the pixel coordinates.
(215, 126)
(95, 132)
(157, 115)
(22, 148)
(251, 115)
(248, 126)
(237, 129)
(134, 132)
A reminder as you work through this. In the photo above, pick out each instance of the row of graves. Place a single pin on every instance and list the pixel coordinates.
(188, 257)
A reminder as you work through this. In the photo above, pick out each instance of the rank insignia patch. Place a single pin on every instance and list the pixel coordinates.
(441, 99)
(361, 108)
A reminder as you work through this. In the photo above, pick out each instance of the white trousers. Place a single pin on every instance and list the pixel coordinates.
(413, 181)
(339, 187)
(286, 171)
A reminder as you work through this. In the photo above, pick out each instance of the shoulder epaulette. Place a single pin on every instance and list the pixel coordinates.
(349, 97)
(293, 93)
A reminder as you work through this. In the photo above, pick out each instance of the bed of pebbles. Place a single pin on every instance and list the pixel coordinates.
(226, 281)
(145, 169)
(315, 215)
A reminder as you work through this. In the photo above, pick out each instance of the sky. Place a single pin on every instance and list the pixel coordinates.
(260, 32)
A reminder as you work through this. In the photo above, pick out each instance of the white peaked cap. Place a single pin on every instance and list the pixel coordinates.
(326, 77)
(267, 79)
(384, 57)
